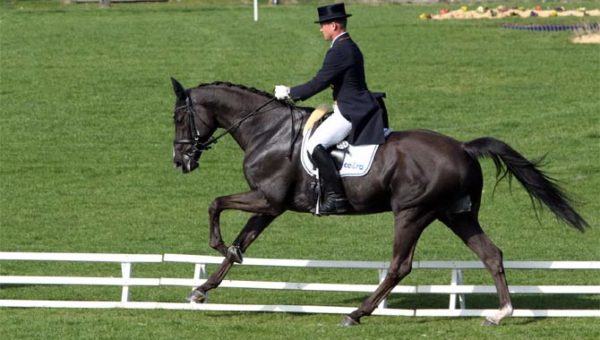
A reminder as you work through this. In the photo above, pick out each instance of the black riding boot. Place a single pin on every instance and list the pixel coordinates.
(333, 198)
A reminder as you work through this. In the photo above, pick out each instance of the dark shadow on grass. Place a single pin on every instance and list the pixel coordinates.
(490, 301)
(524, 321)
(475, 301)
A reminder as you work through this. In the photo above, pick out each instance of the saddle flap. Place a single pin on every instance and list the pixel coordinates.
(351, 160)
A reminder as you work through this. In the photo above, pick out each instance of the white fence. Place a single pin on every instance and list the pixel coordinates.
(456, 289)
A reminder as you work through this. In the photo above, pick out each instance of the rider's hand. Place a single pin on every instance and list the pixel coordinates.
(281, 92)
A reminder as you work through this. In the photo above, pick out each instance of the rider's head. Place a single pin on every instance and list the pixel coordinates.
(331, 29)
(333, 19)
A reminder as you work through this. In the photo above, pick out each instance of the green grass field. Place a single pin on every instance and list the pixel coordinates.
(85, 160)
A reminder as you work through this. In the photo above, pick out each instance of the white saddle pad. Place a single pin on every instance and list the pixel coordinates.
(357, 159)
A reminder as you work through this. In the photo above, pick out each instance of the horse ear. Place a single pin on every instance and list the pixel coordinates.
(178, 88)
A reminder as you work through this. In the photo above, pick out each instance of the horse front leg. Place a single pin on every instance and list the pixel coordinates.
(256, 224)
(251, 202)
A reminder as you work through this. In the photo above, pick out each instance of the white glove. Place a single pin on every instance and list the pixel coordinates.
(281, 92)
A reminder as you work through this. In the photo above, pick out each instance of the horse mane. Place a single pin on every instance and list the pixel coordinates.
(238, 86)
(306, 110)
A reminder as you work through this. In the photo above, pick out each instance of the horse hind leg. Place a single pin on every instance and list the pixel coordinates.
(409, 226)
(466, 226)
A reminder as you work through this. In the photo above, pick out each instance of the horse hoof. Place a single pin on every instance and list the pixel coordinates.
(488, 322)
(235, 254)
(348, 322)
(196, 296)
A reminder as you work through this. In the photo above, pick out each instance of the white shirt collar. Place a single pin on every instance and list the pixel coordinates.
(336, 38)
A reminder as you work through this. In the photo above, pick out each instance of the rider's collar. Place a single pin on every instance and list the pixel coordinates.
(336, 38)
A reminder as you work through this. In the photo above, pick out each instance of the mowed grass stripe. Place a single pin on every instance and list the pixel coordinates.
(86, 133)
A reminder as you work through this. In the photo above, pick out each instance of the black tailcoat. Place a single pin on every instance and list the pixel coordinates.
(343, 70)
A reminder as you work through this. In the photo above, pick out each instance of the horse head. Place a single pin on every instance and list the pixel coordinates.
(193, 129)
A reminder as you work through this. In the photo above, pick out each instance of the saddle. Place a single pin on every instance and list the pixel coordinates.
(350, 160)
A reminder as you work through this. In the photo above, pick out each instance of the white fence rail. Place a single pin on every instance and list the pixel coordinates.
(456, 289)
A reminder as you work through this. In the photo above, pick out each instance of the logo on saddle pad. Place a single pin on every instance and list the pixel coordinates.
(352, 160)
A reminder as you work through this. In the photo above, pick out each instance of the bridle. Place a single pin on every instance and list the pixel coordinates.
(199, 146)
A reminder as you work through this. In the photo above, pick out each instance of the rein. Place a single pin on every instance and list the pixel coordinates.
(198, 146)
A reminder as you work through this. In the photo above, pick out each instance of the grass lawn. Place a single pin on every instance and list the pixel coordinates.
(85, 158)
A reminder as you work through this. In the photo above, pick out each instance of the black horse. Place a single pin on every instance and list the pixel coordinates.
(419, 175)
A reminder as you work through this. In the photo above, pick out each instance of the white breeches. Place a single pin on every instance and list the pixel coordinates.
(332, 131)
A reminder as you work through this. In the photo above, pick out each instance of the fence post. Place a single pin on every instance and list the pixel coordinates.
(255, 10)
(461, 297)
(200, 273)
(382, 275)
(126, 274)
(456, 280)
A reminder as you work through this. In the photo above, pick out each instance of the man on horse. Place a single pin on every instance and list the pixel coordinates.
(356, 112)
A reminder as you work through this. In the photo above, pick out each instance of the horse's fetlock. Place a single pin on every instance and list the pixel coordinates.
(216, 244)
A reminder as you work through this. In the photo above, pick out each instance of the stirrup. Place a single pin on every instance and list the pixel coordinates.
(336, 204)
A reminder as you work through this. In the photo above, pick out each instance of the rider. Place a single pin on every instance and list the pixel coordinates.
(356, 112)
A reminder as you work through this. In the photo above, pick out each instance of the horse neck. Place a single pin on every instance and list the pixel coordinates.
(230, 104)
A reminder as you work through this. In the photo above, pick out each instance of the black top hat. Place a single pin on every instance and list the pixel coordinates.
(332, 12)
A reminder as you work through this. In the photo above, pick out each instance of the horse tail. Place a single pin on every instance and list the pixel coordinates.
(539, 186)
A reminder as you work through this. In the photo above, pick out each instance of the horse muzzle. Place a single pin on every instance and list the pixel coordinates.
(187, 162)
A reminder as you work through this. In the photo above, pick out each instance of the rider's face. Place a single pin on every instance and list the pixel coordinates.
(328, 30)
